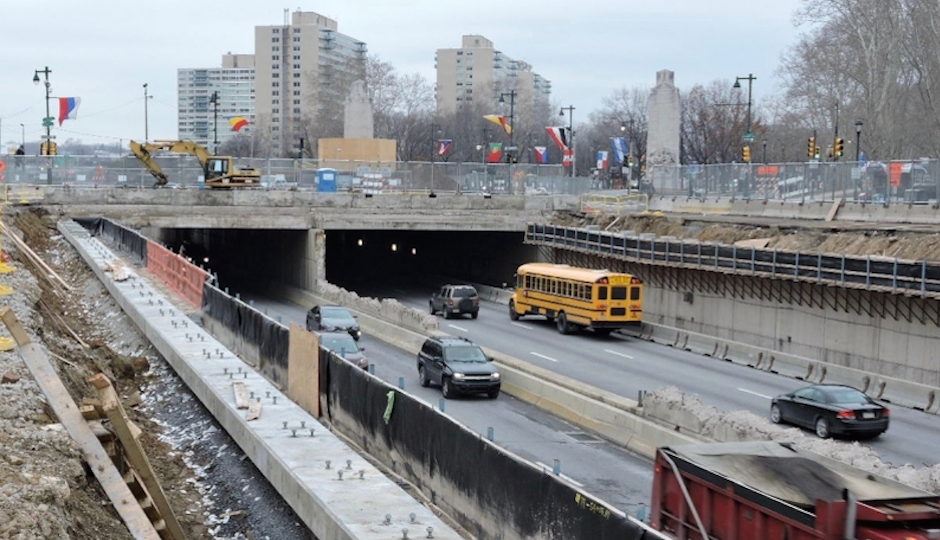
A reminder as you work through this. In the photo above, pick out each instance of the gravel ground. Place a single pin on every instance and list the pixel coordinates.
(46, 490)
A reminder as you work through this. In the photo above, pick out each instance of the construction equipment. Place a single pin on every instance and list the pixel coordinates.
(218, 171)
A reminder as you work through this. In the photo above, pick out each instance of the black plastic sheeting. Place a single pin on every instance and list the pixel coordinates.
(525, 502)
(250, 325)
(918, 276)
(130, 241)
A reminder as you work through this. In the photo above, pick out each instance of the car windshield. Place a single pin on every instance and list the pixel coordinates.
(335, 313)
(464, 354)
(464, 293)
(339, 343)
(847, 396)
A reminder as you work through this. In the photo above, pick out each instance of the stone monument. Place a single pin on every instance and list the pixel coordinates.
(358, 121)
(662, 145)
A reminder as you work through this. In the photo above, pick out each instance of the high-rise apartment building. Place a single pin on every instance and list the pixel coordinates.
(205, 119)
(302, 67)
(477, 73)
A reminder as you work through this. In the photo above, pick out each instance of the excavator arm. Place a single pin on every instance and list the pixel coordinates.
(143, 153)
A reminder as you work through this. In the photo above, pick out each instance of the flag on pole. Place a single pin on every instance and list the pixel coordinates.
(621, 149)
(559, 135)
(501, 120)
(68, 108)
(444, 146)
(541, 155)
(496, 153)
(238, 122)
(568, 159)
(602, 159)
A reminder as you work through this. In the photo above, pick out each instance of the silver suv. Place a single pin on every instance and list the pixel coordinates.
(455, 300)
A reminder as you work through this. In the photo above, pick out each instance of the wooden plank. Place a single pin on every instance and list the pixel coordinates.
(67, 412)
(836, 204)
(241, 395)
(128, 433)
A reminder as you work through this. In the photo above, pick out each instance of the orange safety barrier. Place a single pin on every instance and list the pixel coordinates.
(177, 273)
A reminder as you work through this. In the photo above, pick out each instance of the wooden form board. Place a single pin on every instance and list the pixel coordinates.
(303, 369)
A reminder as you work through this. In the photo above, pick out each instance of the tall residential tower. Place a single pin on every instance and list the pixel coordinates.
(203, 120)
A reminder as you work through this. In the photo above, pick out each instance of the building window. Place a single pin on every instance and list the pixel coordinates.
(296, 92)
(296, 84)
(296, 48)
(296, 75)
(296, 66)
(275, 58)
(296, 30)
(275, 111)
(296, 111)
(296, 102)
(275, 40)
(275, 119)
(297, 39)
(275, 30)
(296, 57)
(275, 93)
(275, 84)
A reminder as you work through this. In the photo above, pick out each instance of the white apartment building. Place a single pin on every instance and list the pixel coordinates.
(298, 65)
(478, 73)
(204, 121)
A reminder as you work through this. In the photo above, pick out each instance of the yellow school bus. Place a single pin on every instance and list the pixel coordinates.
(577, 297)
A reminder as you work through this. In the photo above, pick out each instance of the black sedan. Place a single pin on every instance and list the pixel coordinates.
(831, 409)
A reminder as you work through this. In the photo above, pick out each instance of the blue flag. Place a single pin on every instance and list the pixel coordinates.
(621, 150)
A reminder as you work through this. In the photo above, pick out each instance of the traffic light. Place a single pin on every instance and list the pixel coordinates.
(839, 147)
(811, 148)
(817, 152)
(48, 148)
(746, 154)
(630, 161)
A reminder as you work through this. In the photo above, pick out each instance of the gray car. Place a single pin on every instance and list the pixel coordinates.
(333, 318)
(459, 366)
(344, 345)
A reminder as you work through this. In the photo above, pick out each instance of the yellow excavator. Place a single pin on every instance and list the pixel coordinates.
(218, 171)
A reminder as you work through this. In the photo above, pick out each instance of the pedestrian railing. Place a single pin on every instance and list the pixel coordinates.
(897, 276)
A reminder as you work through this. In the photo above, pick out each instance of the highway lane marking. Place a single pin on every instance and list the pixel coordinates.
(455, 327)
(746, 391)
(543, 356)
(525, 326)
(618, 354)
(565, 476)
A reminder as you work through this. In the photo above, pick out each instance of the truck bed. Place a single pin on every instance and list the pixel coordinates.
(790, 474)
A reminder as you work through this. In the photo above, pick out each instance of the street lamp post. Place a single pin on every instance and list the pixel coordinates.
(858, 139)
(512, 117)
(214, 100)
(570, 110)
(435, 131)
(23, 136)
(748, 136)
(47, 121)
(146, 123)
(764, 144)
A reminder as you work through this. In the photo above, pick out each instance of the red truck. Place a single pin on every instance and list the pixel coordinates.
(774, 491)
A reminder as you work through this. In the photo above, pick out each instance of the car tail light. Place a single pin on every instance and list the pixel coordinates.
(846, 414)
(886, 412)
(450, 302)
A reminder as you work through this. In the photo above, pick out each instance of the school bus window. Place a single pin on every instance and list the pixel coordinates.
(634, 293)
(602, 293)
(618, 293)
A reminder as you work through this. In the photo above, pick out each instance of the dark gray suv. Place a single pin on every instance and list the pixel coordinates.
(459, 366)
(455, 300)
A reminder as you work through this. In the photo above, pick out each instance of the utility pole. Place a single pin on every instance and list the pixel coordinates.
(214, 100)
(146, 123)
(570, 110)
(47, 121)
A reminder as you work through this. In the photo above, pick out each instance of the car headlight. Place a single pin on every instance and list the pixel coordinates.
(495, 376)
(458, 376)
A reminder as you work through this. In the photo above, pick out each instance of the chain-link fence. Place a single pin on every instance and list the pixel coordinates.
(912, 181)
(364, 176)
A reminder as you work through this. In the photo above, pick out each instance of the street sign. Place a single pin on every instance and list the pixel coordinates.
(748, 137)
(48, 137)
(48, 121)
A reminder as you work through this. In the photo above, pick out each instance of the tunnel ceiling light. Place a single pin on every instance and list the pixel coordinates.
(414, 251)
(394, 247)
(360, 242)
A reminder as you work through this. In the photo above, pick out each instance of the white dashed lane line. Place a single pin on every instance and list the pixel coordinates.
(746, 391)
(615, 353)
(524, 326)
(549, 358)
(458, 328)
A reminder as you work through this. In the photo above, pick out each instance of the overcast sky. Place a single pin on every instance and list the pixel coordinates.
(103, 51)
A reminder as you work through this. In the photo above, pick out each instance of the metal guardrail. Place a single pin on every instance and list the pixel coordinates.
(916, 278)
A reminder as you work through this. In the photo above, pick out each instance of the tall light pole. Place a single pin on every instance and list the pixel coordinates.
(748, 136)
(146, 123)
(214, 100)
(512, 117)
(23, 136)
(47, 121)
(570, 109)
(435, 131)
(858, 138)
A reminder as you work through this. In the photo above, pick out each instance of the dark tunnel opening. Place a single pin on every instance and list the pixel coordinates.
(371, 261)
